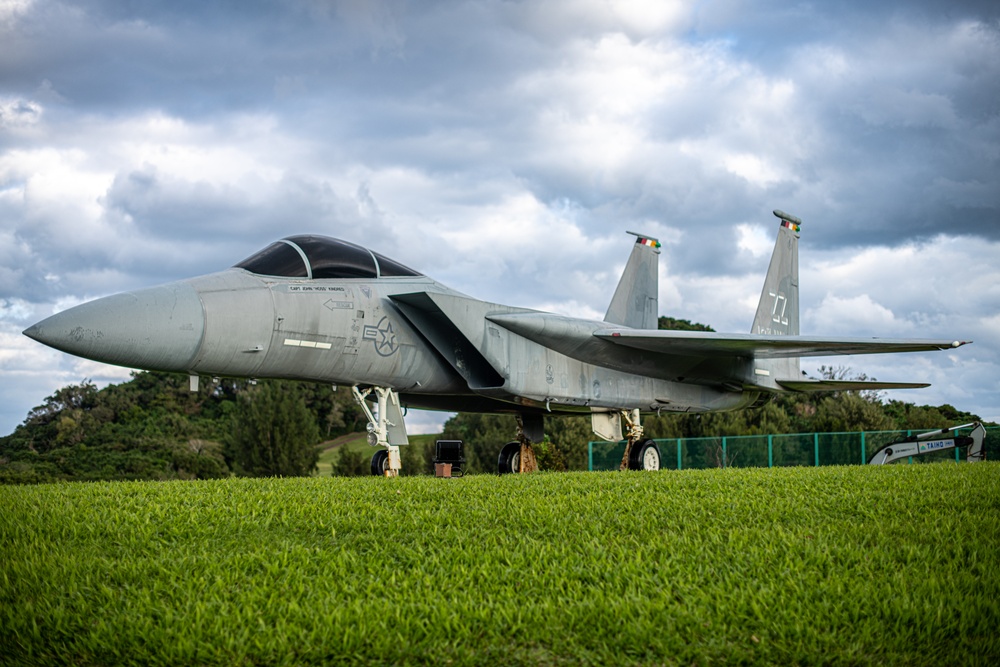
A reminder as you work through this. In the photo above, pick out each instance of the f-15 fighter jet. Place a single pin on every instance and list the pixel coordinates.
(316, 308)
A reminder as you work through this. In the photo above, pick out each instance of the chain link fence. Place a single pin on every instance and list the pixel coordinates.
(790, 449)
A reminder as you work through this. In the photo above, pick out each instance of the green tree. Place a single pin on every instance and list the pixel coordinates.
(483, 435)
(566, 446)
(665, 322)
(350, 463)
(417, 458)
(909, 416)
(273, 433)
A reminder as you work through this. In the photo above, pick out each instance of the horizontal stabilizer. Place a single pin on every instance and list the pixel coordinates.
(704, 344)
(846, 385)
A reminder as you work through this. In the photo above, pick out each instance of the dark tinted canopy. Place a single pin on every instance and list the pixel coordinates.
(318, 257)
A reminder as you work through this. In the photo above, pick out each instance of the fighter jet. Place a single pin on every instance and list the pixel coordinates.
(315, 308)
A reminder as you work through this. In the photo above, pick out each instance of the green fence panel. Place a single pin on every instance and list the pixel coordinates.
(606, 455)
(839, 448)
(794, 449)
(746, 451)
(702, 452)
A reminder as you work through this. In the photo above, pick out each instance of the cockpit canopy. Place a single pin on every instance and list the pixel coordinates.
(318, 257)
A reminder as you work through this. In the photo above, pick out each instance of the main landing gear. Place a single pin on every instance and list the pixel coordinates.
(510, 458)
(639, 454)
(386, 430)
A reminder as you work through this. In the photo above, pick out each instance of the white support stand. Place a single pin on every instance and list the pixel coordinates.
(527, 461)
(387, 429)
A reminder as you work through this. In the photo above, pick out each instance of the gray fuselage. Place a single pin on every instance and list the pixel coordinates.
(436, 347)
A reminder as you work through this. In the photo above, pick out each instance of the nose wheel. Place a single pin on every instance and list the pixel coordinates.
(380, 462)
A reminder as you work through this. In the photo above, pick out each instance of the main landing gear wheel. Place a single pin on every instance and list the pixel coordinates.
(380, 462)
(645, 455)
(510, 458)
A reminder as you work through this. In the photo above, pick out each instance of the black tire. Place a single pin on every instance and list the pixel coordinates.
(380, 462)
(645, 455)
(510, 458)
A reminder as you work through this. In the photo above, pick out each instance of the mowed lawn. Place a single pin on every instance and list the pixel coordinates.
(840, 565)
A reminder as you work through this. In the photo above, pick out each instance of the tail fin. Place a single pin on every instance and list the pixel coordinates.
(778, 309)
(635, 303)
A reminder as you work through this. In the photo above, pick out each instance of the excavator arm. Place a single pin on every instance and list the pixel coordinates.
(935, 441)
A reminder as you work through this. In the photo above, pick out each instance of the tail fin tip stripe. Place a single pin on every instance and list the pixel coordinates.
(787, 217)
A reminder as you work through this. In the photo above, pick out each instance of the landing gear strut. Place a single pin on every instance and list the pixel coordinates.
(633, 435)
(387, 430)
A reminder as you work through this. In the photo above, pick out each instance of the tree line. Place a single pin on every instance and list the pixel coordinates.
(153, 427)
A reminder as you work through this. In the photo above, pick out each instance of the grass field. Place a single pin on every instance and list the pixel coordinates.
(840, 565)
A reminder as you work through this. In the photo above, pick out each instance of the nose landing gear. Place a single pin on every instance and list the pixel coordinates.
(386, 430)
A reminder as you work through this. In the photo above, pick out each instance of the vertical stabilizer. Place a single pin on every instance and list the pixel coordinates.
(778, 309)
(635, 303)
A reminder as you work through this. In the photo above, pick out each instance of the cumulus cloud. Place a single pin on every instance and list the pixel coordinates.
(505, 147)
(842, 316)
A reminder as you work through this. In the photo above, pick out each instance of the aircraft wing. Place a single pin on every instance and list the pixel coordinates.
(709, 345)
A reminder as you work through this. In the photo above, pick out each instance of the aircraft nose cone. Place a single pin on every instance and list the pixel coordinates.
(159, 328)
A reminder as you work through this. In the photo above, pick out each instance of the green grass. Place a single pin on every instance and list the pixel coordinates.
(840, 565)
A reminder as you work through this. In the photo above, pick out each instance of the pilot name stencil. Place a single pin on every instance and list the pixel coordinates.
(317, 288)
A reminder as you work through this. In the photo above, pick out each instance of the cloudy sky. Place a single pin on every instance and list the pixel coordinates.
(504, 148)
